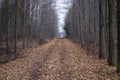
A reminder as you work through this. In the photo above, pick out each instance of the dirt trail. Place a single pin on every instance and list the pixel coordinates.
(59, 59)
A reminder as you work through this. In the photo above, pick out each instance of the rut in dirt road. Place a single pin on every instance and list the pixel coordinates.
(59, 59)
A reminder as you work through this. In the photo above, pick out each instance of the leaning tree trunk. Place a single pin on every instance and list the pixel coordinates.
(118, 32)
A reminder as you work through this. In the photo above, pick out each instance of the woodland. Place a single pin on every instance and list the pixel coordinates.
(32, 48)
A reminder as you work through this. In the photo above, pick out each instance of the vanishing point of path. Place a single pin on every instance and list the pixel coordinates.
(59, 59)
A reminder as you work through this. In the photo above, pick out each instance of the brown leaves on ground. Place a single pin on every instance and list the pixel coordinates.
(57, 60)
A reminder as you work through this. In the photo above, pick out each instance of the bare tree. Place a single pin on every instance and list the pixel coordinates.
(118, 33)
(112, 31)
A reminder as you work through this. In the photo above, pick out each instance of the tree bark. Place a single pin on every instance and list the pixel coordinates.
(6, 25)
(23, 23)
(102, 23)
(118, 33)
(112, 25)
(16, 25)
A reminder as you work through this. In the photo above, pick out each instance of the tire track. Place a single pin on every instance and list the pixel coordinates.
(44, 58)
(51, 67)
(70, 63)
(60, 65)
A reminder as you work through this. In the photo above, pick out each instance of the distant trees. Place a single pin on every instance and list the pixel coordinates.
(26, 22)
(93, 24)
(82, 24)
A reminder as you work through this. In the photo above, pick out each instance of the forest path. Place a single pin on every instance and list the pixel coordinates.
(59, 59)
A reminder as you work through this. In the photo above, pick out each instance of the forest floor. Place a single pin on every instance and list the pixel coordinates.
(59, 59)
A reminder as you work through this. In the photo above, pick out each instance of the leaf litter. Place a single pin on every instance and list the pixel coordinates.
(59, 59)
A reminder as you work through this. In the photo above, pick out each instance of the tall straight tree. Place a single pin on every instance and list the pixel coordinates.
(112, 26)
(23, 23)
(16, 24)
(102, 22)
(118, 33)
(6, 23)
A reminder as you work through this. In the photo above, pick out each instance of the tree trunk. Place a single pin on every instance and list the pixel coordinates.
(16, 25)
(23, 23)
(102, 16)
(118, 33)
(112, 25)
(6, 25)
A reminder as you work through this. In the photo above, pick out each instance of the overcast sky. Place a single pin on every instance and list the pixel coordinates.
(62, 7)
